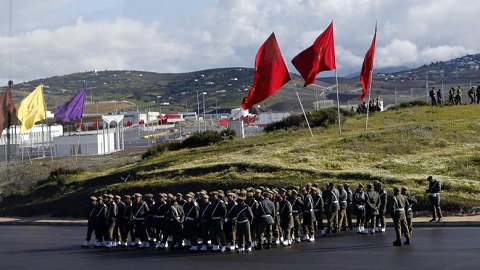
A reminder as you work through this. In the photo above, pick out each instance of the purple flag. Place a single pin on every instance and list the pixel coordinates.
(72, 109)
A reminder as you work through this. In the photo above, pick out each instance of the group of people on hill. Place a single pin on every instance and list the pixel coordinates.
(242, 219)
(373, 106)
(454, 96)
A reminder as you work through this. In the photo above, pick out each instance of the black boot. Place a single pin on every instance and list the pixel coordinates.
(407, 242)
(397, 243)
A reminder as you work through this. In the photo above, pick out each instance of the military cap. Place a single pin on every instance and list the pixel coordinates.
(170, 196)
(213, 193)
(204, 196)
(188, 195)
(315, 189)
(303, 189)
(105, 195)
(231, 194)
(149, 195)
(430, 178)
(294, 191)
(93, 198)
(110, 196)
(138, 195)
(243, 193)
(258, 190)
(360, 185)
(234, 190)
(308, 185)
(163, 195)
(241, 198)
(117, 197)
(249, 194)
(99, 198)
(127, 196)
(179, 194)
(296, 187)
(191, 194)
(283, 190)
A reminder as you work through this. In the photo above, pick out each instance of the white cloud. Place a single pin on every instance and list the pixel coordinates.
(66, 36)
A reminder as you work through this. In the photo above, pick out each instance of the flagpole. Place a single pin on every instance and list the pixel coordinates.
(338, 98)
(299, 100)
(368, 106)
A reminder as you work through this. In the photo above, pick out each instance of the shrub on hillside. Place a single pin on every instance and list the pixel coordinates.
(155, 150)
(206, 138)
(409, 104)
(321, 118)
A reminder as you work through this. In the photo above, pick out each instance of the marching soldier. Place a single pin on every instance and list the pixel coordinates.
(308, 216)
(297, 208)
(128, 219)
(358, 201)
(409, 212)
(243, 216)
(175, 218)
(471, 95)
(382, 209)
(433, 191)
(286, 220)
(342, 214)
(91, 221)
(372, 203)
(399, 204)
(433, 96)
(451, 95)
(100, 215)
(458, 96)
(217, 233)
(159, 221)
(120, 225)
(349, 206)
(111, 219)
(332, 206)
(253, 204)
(230, 221)
(149, 219)
(205, 220)
(192, 213)
(140, 211)
(318, 209)
(264, 215)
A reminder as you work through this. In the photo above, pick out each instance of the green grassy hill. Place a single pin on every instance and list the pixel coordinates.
(400, 148)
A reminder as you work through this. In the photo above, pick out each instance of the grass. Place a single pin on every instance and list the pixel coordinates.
(400, 148)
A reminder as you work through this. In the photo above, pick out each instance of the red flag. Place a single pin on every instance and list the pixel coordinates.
(367, 68)
(7, 109)
(317, 58)
(270, 73)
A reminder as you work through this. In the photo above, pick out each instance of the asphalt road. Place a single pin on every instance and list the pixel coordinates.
(52, 247)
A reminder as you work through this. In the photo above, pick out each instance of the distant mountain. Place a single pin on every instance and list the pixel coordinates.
(226, 87)
(386, 70)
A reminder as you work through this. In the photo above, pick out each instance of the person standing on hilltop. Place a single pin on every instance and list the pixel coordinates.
(471, 95)
(478, 94)
(434, 198)
(451, 94)
(458, 96)
(439, 96)
(433, 96)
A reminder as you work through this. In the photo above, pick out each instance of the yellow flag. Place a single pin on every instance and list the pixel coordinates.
(31, 109)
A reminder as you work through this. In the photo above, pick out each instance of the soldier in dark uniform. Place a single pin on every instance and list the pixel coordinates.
(100, 215)
(205, 220)
(218, 215)
(149, 219)
(120, 225)
(253, 204)
(451, 95)
(439, 96)
(399, 204)
(297, 208)
(433, 96)
(276, 229)
(342, 214)
(159, 221)
(175, 218)
(192, 213)
(286, 219)
(180, 200)
(477, 94)
(230, 225)
(433, 191)
(128, 221)
(381, 223)
(140, 211)
(409, 211)
(332, 206)
(358, 200)
(372, 204)
(318, 210)
(308, 216)
(91, 221)
(471, 95)
(349, 206)
(264, 215)
(111, 219)
(458, 96)
(243, 216)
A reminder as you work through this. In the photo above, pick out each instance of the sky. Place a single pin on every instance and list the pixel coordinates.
(44, 38)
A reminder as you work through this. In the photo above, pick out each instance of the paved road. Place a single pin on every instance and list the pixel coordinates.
(58, 247)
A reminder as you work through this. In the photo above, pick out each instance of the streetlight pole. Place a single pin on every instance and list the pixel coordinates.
(204, 123)
(198, 111)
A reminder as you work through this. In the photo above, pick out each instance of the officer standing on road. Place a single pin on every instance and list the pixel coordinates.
(91, 221)
(399, 204)
(140, 211)
(433, 191)
(411, 201)
(100, 215)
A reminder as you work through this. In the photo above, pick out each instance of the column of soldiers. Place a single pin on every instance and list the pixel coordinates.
(373, 106)
(241, 220)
